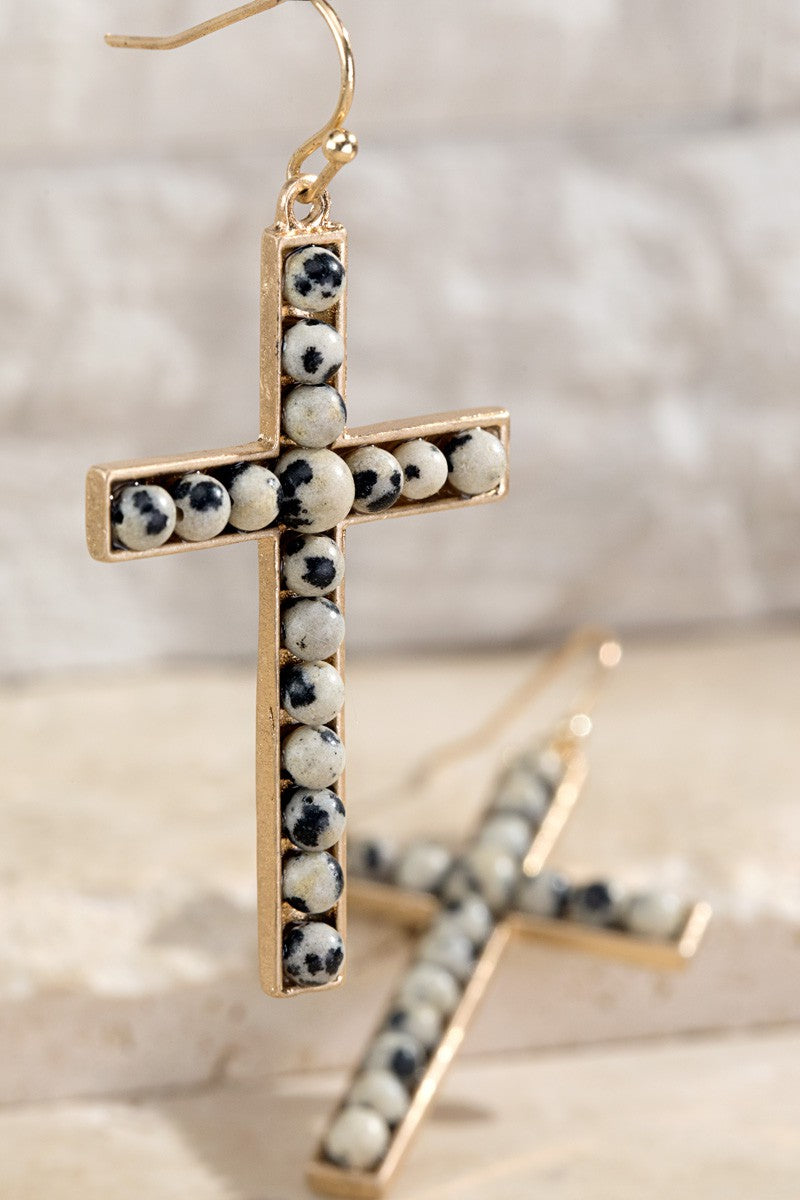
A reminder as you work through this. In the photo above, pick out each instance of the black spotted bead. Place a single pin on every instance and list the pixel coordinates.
(313, 953)
(311, 566)
(312, 693)
(378, 479)
(397, 1052)
(476, 461)
(318, 490)
(203, 507)
(313, 820)
(312, 352)
(313, 279)
(142, 516)
(312, 629)
(599, 903)
(312, 882)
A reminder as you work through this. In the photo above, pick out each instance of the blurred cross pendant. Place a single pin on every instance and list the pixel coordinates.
(466, 910)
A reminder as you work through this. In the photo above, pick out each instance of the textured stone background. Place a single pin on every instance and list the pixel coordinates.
(587, 211)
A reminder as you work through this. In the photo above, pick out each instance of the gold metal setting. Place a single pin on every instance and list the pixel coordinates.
(103, 482)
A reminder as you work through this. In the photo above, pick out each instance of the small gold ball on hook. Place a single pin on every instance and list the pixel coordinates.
(341, 146)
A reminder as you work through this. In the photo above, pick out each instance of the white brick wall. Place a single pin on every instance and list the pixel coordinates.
(589, 212)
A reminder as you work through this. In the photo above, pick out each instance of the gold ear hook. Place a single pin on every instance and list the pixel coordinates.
(337, 144)
(604, 653)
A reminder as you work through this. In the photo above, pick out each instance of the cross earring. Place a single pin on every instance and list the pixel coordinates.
(466, 908)
(295, 491)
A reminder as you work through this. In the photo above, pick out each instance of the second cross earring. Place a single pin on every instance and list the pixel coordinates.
(295, 490)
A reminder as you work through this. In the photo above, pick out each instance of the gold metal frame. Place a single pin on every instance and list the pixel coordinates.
(103, 481)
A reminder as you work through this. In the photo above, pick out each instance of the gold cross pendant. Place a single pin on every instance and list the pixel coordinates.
(465, 911)
(295, 491)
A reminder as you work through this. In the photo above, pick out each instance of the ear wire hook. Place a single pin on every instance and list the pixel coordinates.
(337, 144)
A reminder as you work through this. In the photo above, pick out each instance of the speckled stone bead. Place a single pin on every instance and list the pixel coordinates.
(203, 507)
(313, 278)
(597, 903)
(314, 416)
(313, 820)
(423, 866)
(312, 693)
(449, 949)
(314, 758)
(471, 916)
(547, 764)
(313, 882)
(521, 790)
(424, 469)
(422, 1021)
(429, 983)
(142, 516)
(476, 462)
(312, 351)
(384, 1092)
(357, 1139)
(255, 495)
(655, 915)
(490, 872)
(311, 566)
(377, 477)
(313, 953)
(543, 895)
(397, 1052)
(318, 489)
(312, 629)
(510, 831)
(372, 858)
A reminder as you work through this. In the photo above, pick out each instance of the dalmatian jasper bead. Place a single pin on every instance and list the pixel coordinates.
(655, 915)
(142, 517)
(424, 469)
(544, 895)
(312, 953)
(314, 416)
(311, 566)
(597, 903)
(312, 351)
(255, 496)
(358, 1139)
(313, 279)
(312, 883)
(449, 949)
(314, 758)
(471, 916)
(397, 1052)
(313, 820)
(423, 866)
(422, 1021)
(377, 478)
(382, 1091)
(372, 858)
(312, 629)
(476, 462)
(520, 790)
(489, 872)
(429, 983)
(312, 693)
(510, 831)
(318, 489)
(203, 507)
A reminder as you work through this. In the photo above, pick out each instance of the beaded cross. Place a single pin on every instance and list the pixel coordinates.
(467, 909)
(295, 491)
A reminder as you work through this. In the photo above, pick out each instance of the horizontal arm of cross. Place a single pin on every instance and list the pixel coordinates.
(104, 480)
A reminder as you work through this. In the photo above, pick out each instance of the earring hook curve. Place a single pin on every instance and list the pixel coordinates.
(337, 144)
